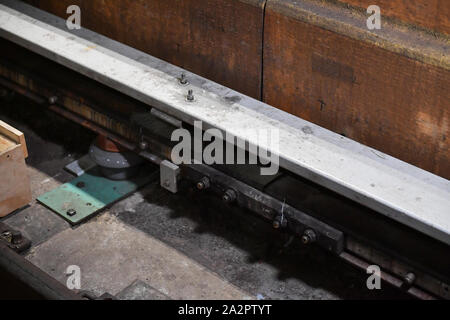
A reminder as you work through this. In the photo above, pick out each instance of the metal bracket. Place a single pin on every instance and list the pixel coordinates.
(283, 215)
(170, 174)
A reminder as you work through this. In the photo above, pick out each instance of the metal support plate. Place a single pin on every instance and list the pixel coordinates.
(169, 176)
(91, 192)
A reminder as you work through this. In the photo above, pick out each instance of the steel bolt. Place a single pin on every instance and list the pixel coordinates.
(143, 145)
(409, 278)
(229, 196)
(190, 96)
(71, 212)
(308, 237)
(53, 100)
(203, 184)
(183, 79)
(279, 222)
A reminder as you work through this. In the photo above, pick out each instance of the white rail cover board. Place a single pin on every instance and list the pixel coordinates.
(405, 193)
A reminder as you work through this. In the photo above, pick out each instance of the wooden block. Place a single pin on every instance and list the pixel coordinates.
(430, 14)
(15, 135)
(218, 39)
(15, 191)
(358, 88)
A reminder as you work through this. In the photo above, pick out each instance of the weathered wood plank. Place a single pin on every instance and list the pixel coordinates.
(218, 39)
(354, 87)
(14, 135)
(15, 191)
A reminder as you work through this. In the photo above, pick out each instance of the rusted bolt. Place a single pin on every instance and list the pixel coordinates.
(183, 81)
(71, 212)
(409, 278)
(229, 196)
(53, 100)
(190, 96)
(308, 237)
(7, 235)
(203, 184)
(279, 222)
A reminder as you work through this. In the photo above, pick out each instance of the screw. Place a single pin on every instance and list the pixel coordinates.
(203, 184)
(143, 145)
(53, 100)
(229, 196)
(80, 185)
(308, 237)
(183, 81)
(190, 96)
(71, 212)
(409, 278)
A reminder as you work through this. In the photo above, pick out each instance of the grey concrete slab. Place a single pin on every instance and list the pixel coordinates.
(140, 290)
(36, 222)
(243, 249)
(111, 255)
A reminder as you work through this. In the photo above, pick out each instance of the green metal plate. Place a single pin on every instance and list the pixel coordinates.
(91, 192)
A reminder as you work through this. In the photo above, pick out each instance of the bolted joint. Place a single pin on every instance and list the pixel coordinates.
(182, 80)
(309, 236)
(190, 96)
(279, 222)
(203, 184)
(13, 237)
(229, 196)
(143, 145)
(71, 212)
(409, 278)
(52, 100)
